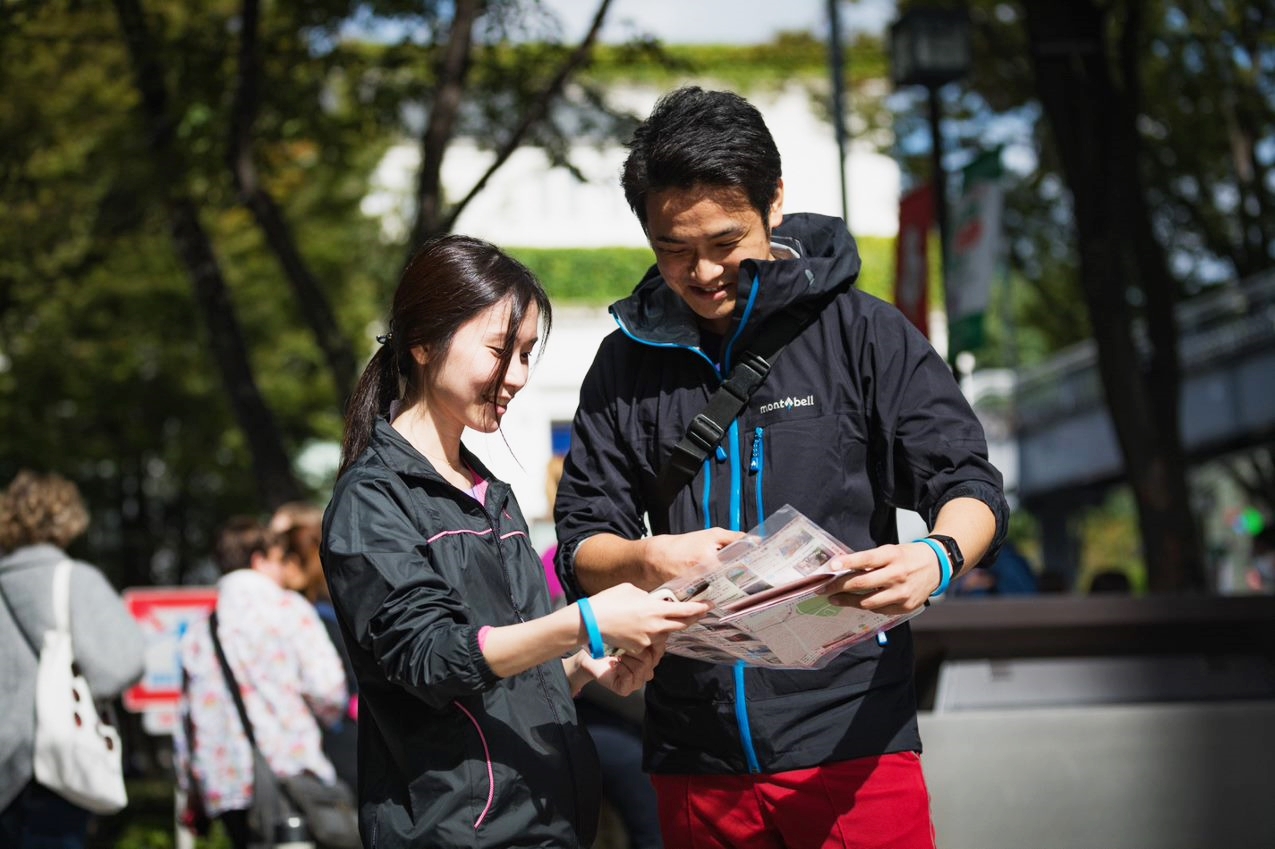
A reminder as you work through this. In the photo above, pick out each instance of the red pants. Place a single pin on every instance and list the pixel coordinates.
(865, 803)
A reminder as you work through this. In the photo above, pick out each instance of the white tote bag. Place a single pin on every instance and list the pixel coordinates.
(77, 755)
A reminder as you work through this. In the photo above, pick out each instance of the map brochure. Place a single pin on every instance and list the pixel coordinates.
(767, 606)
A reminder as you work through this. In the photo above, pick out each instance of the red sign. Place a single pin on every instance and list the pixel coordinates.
(164, 614)
(911, 258)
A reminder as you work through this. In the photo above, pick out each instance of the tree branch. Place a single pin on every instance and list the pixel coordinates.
(440, 125)
(539, 109)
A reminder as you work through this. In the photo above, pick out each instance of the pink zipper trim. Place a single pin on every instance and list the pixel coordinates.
(491, 778)
(483, 533)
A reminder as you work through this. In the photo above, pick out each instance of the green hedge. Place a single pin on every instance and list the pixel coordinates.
(601, 276)
(590, 276)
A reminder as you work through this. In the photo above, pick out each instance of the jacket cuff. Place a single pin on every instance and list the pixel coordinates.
(484, 670)
(565, 564)
(990, 495)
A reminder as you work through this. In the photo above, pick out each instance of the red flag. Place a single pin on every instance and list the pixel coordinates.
(911, 261)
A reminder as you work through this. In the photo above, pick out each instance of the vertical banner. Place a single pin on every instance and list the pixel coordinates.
(975, 253)
(911, 260)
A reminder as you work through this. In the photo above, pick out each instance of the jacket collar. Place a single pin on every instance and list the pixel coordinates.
(400, 457)
(823, 256)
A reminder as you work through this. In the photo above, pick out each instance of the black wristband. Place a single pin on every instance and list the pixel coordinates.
(953, 551)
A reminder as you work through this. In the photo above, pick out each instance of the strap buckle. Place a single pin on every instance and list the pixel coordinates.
(749, 372)
(705, 433)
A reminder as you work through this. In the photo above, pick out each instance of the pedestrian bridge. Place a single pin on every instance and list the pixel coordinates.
(1066, 440)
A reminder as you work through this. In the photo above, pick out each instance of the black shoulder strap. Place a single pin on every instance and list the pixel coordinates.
(231, 683)
(707, 429)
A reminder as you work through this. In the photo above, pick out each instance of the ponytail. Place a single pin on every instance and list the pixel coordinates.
(378, 386)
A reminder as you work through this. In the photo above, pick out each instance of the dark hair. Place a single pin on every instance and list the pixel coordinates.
(239, 539)
(447, 283)
(696, 137)
(299, 525)
(38, 508)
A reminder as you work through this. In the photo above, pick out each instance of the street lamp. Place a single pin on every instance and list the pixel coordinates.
(931, 47)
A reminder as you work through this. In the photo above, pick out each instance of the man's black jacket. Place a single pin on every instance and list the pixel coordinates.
(858, 416)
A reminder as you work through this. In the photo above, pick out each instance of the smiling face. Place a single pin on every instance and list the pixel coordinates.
(700, 236)
(460, 394)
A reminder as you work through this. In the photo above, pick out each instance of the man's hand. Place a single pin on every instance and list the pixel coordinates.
(891, 579)
(605, 560)
(670, 556)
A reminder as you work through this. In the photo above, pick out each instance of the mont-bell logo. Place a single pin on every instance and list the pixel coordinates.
(787, 404)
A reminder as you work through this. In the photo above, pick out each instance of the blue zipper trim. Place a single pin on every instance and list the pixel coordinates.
(741, 717)
(708, 493)
(736, 497)
(757, 465)
(736, 470)
(743, 322)
(736, 488)
(625, 330)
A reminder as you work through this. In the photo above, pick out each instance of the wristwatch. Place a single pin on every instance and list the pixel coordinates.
(953, 551)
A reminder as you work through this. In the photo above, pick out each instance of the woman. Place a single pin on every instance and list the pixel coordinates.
(40, 515)
(301, 527)
(468, 733)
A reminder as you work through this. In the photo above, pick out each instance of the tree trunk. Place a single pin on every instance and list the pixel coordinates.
(312, 302)
(275, 480)
(1093, 122)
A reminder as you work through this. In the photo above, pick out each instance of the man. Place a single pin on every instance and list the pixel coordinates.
(288, 672)
(858, 416)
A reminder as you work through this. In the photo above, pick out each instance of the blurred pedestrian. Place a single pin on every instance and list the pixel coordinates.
(288, 674)
(301, 527)
(40, 516)
(466, 672)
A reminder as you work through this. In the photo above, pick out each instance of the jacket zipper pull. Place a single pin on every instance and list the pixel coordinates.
(721, 454)
(754, 463)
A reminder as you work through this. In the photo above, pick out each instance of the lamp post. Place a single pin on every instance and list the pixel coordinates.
(838, 99)
(931, 47)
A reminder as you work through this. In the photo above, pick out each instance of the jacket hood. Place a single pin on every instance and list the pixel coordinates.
(28, 556)
(823, 257)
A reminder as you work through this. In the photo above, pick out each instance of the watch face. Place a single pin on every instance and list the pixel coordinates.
(953, 550)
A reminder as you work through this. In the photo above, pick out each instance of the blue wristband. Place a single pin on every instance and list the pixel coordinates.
(945, 565)
(596, 649)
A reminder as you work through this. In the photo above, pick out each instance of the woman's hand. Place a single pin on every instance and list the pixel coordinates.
(634, 620)
(622, 674)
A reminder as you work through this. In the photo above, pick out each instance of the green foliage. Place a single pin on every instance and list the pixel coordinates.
(147, 822)
(877, 276)
(105, 369)
(1109, 538)
(594, 277)
(790, 56)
